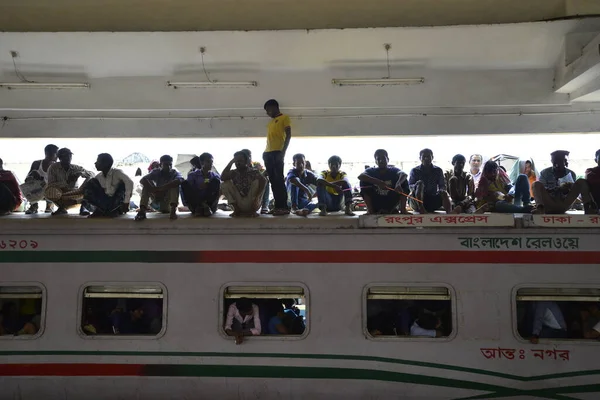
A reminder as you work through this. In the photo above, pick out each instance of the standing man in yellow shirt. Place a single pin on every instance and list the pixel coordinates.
(279, 133)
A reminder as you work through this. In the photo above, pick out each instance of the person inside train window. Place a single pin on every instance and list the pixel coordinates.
(110, 191)
(276, 325)
(495, 191)
(384, 188)
(460, 186)
(162, 186)
(129, 322)
(259, 167)
(590, 317)
(10, 193)
(37, 178)
(279, 135)
(548, 321)
(475, 162)
(558, 188)
(427, 185)
(201, 190)
(243, 319)
(592, 175)
(62, 184)
(334, 190)
(428, 325)
(14, 323)
(297, 181)
(243, 187)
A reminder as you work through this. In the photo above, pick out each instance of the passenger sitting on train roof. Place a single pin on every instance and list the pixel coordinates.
(558, 188)
(10, 193)
(499, 195)
(201, 191)
(527, 168)
(427, 185)
(297, 181)
(37, 178)
(62, 183)
(426, 325)
(161, 185)
(129, 322)
(243, 319)
(384, 188)
(279, 134)
(461, 186)
(12, 323)
(548, 322)
(334, 190)
(591, 321)
(110, 191)
(258, 166)
(592, 175)
(243, 187)
(475, 169)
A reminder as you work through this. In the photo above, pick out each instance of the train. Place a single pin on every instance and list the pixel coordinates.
(360, 285)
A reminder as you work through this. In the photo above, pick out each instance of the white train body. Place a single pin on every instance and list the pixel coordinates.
(335, 261)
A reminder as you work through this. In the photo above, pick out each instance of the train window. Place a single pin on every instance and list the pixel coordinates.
(132, 310)
(558, 313)
(408, 311)
(265, 310)
(21, 311)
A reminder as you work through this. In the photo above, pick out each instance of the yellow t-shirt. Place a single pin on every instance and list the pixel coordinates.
(276, 133)
(329, 178)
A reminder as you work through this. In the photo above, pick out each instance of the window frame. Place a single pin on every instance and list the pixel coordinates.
(222, 311)
(453, 306)
(81, 297)
(42, 328)
(513, 301)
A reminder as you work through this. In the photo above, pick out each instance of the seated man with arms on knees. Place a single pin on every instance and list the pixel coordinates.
(258, 166)
(201, 190)
(461, 186)
(427, 184)
(297, 181)
(62, 183)
(37, 179)
(548, 321)
(10, 193)
(333, 189)
(110, 191)
(162, 185)
(592, 175)
(381, 187)
(243, 319)
(558, 188)
(497, 193)
(244, 186)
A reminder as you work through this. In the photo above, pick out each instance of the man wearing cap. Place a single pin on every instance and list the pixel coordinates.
(592, 175)
(62, 183)
(110, 191)
(162, 185)
(558, 187)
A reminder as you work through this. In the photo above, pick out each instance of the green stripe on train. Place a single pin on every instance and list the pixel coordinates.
(303, 356)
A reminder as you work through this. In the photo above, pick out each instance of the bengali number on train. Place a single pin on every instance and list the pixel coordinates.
(522, 354)
(400, 221)
(510, 243)
(567, 221)
(18, 244)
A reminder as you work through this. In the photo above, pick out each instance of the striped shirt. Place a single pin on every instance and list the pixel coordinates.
(67, 179)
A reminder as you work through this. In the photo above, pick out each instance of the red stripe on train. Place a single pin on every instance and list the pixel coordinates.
(400, 257)
(71, 369)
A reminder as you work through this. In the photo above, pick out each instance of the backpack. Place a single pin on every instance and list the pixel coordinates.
(293, 323)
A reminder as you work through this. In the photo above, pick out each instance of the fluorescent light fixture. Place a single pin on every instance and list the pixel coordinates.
(215, 84)
(38, 85)
(378, 82)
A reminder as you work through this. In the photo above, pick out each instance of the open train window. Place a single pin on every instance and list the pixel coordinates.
(21, 311)
(123, 310)
(267, 310)
(558, 313)
(408, 312)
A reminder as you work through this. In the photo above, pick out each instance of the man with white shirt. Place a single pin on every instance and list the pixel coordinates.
(548, 322)
(475, 170)
(110, 191)
(427, 325)
(243, 319)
